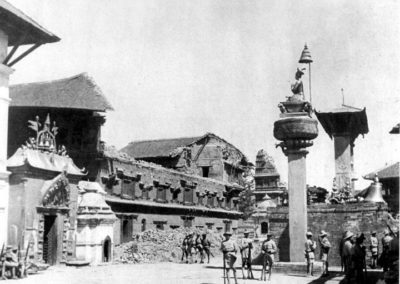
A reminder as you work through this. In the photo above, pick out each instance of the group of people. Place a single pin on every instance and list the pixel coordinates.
(196, 247)
(353, 251)
(11, 265)
(231, 248)
(309, 252)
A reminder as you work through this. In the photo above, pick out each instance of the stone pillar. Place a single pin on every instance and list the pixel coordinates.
(343, 160)
(5, 72)
(296, 129)
(297, 187)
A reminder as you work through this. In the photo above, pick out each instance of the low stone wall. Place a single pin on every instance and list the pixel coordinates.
(334, 219)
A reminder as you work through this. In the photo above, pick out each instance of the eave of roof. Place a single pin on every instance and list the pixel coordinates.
(387, 172)
(21, 29)
(344, 119)
(76, 92)
(114, 199)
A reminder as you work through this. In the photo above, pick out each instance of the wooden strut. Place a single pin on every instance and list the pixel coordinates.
(15, 47)
(32, 48)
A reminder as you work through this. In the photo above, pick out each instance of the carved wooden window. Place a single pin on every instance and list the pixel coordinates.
(161, 194)
(188, 195)
(228, 225)
(128, 189)
(210, 200)
(175, 194)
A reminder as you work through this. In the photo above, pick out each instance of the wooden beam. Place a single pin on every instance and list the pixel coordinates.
(24, 54)
(14, 49)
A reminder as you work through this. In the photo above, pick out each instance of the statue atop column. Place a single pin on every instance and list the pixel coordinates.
(297, 86)
(297, 101)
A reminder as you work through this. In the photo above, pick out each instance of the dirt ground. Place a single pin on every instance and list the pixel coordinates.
(169, 273)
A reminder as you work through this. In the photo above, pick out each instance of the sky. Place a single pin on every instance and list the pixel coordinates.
(181, 68)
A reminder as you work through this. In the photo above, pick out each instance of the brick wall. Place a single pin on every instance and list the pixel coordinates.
(334, 219)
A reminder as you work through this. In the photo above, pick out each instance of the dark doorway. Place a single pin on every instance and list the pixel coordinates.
(107, 250)
(143, 225)
(206, 171)
(264, 228)
(50, 239)
(126, 230)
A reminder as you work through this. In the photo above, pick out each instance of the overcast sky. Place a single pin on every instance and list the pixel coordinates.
(178, 68)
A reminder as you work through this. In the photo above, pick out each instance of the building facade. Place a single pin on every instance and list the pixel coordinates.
(209, 156)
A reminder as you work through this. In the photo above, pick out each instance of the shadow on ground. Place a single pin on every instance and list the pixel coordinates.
(371, 278)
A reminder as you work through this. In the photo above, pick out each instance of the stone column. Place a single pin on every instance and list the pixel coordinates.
(297, 187)
(5, 72)
(296, 129)
(343, 159)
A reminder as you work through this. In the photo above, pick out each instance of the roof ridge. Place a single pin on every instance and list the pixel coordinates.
(82, 74)
(166, 139)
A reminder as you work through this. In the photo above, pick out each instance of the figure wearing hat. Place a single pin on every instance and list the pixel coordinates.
(374, 249)
(205, 242)
(268, 249)
(358, 258)
(310, 246)
(325, 247)
(386, 240)
(229, 248)
(246, 244)
(346, 252)
(185, 246)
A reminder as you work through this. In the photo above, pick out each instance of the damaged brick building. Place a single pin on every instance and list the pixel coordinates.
(183, 182)
(195, 184)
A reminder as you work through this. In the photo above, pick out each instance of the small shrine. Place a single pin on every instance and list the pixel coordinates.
(95, 220)
(43, 192)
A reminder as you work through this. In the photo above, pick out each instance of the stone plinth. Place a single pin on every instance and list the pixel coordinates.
(296, 131)
(94, 239)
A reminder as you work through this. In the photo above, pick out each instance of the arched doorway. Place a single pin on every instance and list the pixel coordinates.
(107, 249)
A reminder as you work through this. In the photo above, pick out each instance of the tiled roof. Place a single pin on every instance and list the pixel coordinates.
(157, 148)
(391, 171)
(77, 92)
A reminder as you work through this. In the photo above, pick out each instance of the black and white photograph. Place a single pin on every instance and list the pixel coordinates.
(199, 141)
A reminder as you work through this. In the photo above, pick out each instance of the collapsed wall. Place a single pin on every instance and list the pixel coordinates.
(154, 246)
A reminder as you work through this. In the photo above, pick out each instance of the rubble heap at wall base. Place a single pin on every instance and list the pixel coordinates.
(333, 218)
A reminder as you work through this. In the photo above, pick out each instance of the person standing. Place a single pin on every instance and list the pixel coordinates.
(386, 240)
(246, 244)
(374, 249)
(346, 253)
(358, 259)
(268, 250)
(310, 247)
(205, 242)
(325, 247)
(229, 249)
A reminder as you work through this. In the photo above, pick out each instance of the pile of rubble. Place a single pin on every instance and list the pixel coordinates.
(159, 246)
